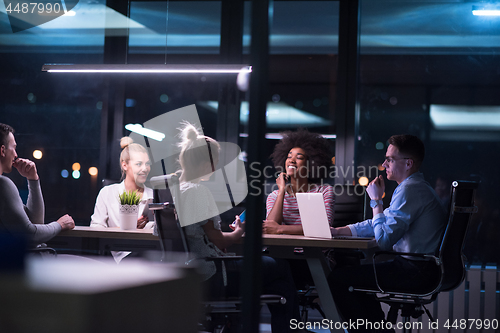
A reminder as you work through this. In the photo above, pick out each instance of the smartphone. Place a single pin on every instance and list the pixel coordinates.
(286, 177)
(243, 216)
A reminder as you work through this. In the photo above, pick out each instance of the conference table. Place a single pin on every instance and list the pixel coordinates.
(109, 233)
(93, 239)
(311, 249)
(278, 246)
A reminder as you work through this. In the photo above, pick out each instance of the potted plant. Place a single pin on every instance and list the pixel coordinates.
(129, 209)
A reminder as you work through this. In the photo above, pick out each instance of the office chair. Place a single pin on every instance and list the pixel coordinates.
(109, 181)
(42, 249)
(449, 259)
(220, 313)
(350, 204)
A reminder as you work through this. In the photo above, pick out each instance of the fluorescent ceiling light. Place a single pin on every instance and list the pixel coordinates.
(485, 11)
(455, 117)
(118, 68)
(278, 136)
(137, 128)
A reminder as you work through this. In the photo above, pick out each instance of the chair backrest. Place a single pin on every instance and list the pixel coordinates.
(108, 181)
(165, 189)
(350, 204)
(450, 252)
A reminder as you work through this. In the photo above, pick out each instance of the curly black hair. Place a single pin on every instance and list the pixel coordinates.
(317, 151)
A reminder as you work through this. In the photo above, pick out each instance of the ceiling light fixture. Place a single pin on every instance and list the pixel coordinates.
(118, 68)
(485, 11)
(279, 136)
(137, 128)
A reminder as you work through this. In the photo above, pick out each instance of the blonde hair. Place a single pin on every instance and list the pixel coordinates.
(193, 151)
(128, 146)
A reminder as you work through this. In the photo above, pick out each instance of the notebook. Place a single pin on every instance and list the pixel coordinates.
(312, 212)
(314, 219)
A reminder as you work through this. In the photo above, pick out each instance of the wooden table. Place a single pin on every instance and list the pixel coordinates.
(91, 239)
(113, 233)
(285, 246)
(302, 241)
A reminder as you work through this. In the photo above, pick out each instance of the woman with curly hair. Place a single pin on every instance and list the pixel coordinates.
(303, 159)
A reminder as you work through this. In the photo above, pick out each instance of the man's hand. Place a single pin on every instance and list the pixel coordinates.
(341, 231)
(376, 188)
(66, 222)
(26, 168)
(141, 222)
(270, 227)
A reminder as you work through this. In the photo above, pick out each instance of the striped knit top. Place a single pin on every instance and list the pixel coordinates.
(291, 209)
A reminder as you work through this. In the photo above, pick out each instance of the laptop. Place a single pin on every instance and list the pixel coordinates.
(314, 219)
(313, 215)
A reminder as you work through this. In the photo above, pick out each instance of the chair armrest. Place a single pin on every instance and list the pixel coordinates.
(429, 257)
(160, 205)
(408, 254)
(42, 248)
(222, 258)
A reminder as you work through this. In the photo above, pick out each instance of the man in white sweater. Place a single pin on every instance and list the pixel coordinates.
(15, 217)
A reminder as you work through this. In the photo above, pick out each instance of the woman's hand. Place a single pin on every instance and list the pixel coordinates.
(281, 181)
(141, 222)
(271, 227)
(237, 224)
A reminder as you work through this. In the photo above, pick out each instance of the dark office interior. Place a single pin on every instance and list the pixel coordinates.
(358, 71)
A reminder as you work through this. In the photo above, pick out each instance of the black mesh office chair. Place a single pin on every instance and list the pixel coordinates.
(42, 249)
(221, 312)
(448, 258)
(109, 181)
(350, 204)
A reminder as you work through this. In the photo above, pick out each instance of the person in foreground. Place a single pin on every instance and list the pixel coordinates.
(15, 217)
(198, 212)
(414, 223)
(135, 166)
(306, 159)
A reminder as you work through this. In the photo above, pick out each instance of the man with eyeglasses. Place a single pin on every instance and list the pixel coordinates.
(15, 217)
(413, 222)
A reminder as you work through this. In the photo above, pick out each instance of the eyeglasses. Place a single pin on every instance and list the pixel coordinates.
(391, 160)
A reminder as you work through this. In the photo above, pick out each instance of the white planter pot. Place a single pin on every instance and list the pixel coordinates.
(128, 217)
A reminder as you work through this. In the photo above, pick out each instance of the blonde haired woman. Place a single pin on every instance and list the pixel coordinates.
(135, 166)
(198, 212)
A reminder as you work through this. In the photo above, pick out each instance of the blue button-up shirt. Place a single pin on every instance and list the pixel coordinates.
(414, 221)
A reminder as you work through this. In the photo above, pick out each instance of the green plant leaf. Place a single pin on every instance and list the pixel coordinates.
(129, 198)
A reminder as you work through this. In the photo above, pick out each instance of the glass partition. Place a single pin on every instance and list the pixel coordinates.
(60, 116)
(175, 27)
(303, 46)
(427, 69)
